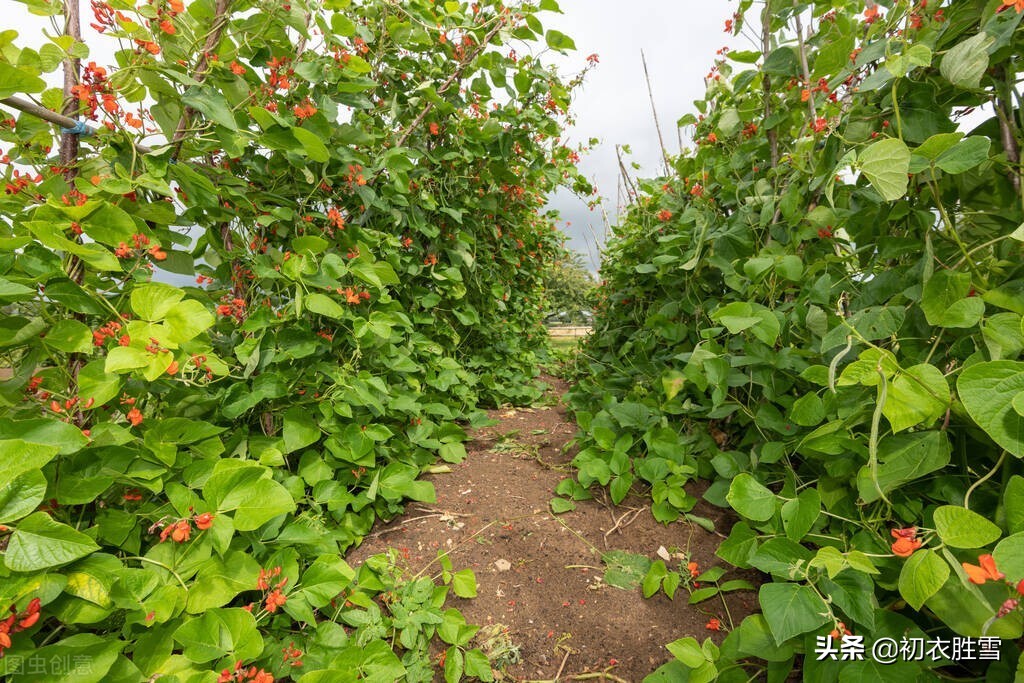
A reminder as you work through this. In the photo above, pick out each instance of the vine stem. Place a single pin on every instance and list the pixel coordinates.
(162, 566)
(995, 468)
(932, 185)
(935, 346)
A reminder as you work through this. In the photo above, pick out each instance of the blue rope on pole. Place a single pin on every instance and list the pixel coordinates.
(78, 129)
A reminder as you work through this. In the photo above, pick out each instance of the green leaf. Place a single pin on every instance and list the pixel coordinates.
(311, 143)
(40, 542)
(937, 144)
(964, 155)
(885, 164)
(220, 580)
(560, 505)
(920, 395)
(14, 81)
(782, 61)
(213, 105)
(121, 358)
(751, 499)
(755, 639)
(782, 557)
(377, 274)
(738, 548)
(688, 651)
(904, 458)
(464, 583)
(652, 580)
(46, 664)
(1013, 497)
(854, 593)
(219, 633)
(21, 495)
(625, 570)
(12, 291)
(264, 500)
(18, 457)
(800, 514)
(557, 40)
(313, 244)
(66, 438)
(321, 304)
(965, 609)
(808, 410)
(95, 383)
(736, 316)
(478, 665)
(152, 301)
(243, 488)
(110, 225)
(454, 665)
(300, 429)
(1009, 557)
(919, 55)
(945, 300)
(69, 336)
(187, 319)
(965, 63)
(1004, 337)
(342, 26)
(987, 391)
(959, 527)
(923, 574)
(324, 579)
(454, 630)
(791, 609)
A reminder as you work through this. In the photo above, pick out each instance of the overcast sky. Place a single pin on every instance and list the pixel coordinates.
(679, 38)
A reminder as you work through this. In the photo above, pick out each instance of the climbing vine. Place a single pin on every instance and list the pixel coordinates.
(284, 254)
(819, 311)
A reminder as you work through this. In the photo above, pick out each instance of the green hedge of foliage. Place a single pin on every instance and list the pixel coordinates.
(820, 311)
(348, 194)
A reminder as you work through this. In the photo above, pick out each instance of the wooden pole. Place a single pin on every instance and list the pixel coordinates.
(69, 162)
(220, 20)
(61, 120)
(766, 82)
(654, 110)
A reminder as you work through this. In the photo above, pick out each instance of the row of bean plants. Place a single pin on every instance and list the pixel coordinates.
(819, 310)
(300, 249)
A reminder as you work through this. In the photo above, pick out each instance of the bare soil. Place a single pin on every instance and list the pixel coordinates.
(540, 575)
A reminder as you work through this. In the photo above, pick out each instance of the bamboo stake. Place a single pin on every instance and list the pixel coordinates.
(69, 149)
(33, 109)
(654, 110)
(803, 62)
(766, 82)
(1007, 126)
(631, 193)
(212, 39)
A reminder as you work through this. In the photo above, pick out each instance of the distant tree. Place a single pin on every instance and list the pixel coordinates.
(570, 290)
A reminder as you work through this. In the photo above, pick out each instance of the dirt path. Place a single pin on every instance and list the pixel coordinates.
(540, 575)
